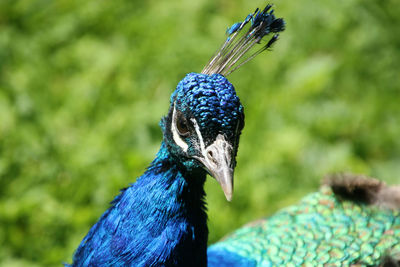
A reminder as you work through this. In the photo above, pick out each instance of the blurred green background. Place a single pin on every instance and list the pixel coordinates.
(83, 85)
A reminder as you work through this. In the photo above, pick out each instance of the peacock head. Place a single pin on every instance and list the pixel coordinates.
(205, 119)
(203, 126)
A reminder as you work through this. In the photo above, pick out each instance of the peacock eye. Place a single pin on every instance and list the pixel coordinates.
(182, 126)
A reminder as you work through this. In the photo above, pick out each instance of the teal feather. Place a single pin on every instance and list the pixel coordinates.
(321, 229)
(161, 219)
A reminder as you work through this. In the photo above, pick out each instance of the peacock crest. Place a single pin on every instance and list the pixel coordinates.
(161, 219)
(242, 37)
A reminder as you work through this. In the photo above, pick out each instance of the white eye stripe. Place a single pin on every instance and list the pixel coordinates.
(197, 128)
(175, 135)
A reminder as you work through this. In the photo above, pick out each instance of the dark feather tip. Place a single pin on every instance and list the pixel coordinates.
(389, 261)
(363, 189)
(278, 25)
(353, 187)
(242, 38)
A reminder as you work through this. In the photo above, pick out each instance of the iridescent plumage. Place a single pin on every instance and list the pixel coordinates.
(321, 229)
(161, 219)
(242, 37)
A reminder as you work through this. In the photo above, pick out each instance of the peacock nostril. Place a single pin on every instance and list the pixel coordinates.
(210, 156)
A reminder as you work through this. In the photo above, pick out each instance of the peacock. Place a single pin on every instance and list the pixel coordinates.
(352, 221)
(161, 219)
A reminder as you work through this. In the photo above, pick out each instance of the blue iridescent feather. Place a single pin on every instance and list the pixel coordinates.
(161, 219)
(242, 37)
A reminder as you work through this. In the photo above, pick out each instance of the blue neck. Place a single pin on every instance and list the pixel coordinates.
(159, 220)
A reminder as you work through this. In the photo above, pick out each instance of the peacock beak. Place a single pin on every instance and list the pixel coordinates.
(217, 160)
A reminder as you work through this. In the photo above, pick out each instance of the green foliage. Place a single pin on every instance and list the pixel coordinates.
(83, 85)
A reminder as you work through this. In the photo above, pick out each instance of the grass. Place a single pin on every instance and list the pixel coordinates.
(83, 85)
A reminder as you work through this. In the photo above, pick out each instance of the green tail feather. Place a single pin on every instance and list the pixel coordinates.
(321, 229)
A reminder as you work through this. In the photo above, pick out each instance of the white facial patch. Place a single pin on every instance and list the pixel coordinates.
(197, 128)
(219, 142)
(175, 135)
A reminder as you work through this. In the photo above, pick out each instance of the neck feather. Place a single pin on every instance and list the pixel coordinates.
(159, 220)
